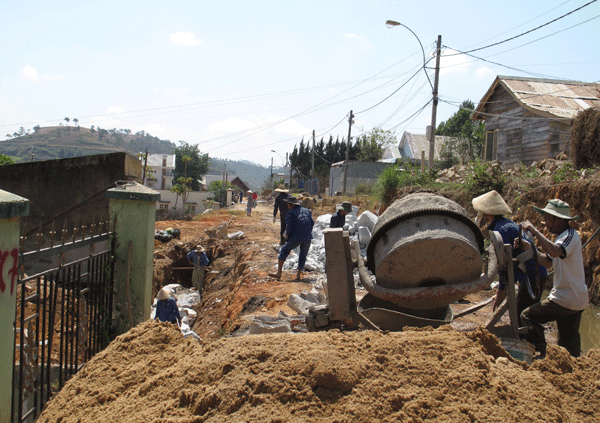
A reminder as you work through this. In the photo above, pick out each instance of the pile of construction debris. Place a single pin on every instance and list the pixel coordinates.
(359, 228)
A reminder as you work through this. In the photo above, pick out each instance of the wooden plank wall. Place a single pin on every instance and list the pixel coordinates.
(523, 136)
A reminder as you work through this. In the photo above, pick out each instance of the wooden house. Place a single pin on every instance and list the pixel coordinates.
(529, 119)
(411, 146)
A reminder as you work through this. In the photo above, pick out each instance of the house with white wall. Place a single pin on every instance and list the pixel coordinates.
(159, 171)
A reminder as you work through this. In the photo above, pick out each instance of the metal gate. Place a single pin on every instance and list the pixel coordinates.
(63, 318)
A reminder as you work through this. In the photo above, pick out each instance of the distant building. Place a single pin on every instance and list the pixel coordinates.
(411, 145)
(159, 172)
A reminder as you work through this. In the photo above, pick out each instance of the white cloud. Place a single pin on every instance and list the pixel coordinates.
(451, 62)
(54, 78)
(185, 38)
(356, 37)
(30, 74)
(483, 71)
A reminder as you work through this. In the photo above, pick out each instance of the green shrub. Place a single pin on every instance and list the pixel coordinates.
(565, 173)
(365, 189)
(484, 177)
(387, 184)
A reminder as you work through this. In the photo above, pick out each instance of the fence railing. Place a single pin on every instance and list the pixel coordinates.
(63, 318)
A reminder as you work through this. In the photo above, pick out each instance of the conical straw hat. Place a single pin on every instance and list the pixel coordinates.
(491, 203)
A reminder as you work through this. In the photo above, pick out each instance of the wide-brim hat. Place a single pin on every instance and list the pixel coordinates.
(292, 200)
(557, 208)
(347, 206)
(281, 188)
(250, 191)
(199, 247)
(163, 294)
(491, 203)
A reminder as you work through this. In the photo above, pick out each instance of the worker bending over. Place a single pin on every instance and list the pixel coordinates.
(166, 308)
(338, 220)
(299, 224)
(492, 208)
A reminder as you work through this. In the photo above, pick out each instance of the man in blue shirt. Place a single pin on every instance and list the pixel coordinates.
(491, 207)
(338, 220)
(166, 308)
(299, 224)
(199, 260)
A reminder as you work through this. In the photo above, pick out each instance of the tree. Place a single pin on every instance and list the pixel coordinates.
(67, 120)
(5, 160)
(185, 159)
(370, 145)
(467, 135)
(219, 190)
(36, 128)
(177, 189)
(195, 168)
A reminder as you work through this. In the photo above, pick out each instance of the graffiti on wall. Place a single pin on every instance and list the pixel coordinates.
(12, 271)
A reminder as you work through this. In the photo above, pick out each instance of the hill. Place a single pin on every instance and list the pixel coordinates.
(59, 142)
(253, 174)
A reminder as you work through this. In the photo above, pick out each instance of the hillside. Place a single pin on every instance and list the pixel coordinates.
(253, 174)
(59, 142)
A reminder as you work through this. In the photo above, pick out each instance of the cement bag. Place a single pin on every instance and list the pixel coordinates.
(300, 303)
(364, 235)
(266, 324)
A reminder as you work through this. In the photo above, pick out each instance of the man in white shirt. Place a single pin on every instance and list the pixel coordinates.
(569, 295)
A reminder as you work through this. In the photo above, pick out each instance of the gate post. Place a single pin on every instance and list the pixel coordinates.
(133, 206)
(12, 208)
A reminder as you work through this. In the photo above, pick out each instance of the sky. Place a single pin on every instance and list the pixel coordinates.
(247, 80)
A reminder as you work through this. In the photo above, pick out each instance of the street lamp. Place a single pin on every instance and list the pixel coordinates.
(280, 156)
(434, 87)
(391, 24)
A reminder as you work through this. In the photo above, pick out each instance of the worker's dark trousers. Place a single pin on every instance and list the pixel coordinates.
(566, 319)
(281, 238)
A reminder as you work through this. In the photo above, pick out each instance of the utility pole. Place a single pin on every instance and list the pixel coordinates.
(350, 122)
(271, 172)
(435, 101)
(145, 166)
(312, 170)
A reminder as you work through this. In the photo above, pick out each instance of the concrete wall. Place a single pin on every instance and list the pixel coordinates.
(168, 197)
(55, 185)
(358, 173)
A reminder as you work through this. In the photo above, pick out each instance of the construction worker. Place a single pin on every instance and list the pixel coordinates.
(281, 206)
(491, 209)
(338, 220)
(298, 232)
(569, 295)
(166, 308)
(199, 260)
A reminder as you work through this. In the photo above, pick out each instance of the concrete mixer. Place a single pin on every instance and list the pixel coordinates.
(425, 253)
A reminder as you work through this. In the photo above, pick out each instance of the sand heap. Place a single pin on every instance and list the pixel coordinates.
(152, 374)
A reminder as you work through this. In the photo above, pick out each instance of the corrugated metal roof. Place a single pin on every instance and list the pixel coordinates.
(546, 97)
(418, 142)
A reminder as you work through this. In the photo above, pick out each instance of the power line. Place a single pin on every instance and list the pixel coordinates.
(527, 32)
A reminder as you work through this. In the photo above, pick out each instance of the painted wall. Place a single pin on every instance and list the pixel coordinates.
(54, 185)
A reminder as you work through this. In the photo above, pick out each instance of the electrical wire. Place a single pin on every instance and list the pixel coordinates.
(531, 30)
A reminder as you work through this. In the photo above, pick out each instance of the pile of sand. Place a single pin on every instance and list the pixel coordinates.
(152, 374)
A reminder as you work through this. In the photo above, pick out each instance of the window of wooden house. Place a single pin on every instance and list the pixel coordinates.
(163, 206)
(490, 147)
(192, 208)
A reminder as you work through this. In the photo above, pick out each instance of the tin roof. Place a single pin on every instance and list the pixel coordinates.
(555, 99)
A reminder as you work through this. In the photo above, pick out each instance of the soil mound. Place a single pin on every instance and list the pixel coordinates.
(152, 374)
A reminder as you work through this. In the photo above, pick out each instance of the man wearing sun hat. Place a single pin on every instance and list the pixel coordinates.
(299, 225)
(491, 208)
(166, 307)
(338, 220)
(281, 206)
(569, 295)
(199, 260)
